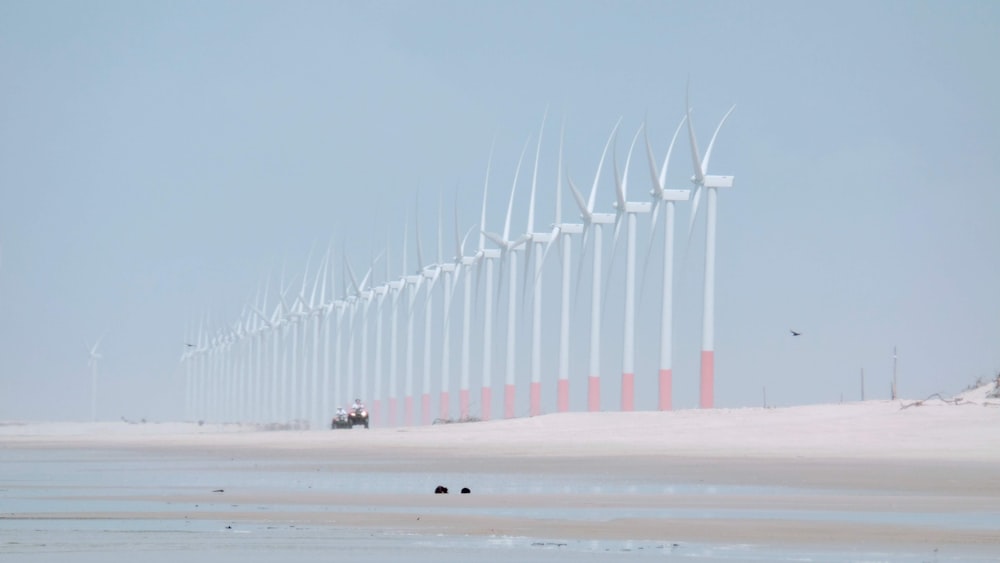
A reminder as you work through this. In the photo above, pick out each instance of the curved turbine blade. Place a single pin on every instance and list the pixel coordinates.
(584, 211)
(513, 188)
(649, 247)
(628, 163)
(534, 175)
(670, 150)
(545, 252)
(699, 175)
(459, 244)
(600, 165)
(711, 143)
(486, 185)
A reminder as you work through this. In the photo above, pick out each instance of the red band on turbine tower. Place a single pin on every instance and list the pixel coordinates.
(594, 393)
(666, 383)
(487, 400)
(408, 411)
(508, 401)
(392, 412)
(425, 408)
(444, 405)
(707, 378)
(536, 398)
(628, 391)
(563, 395)
(463, 403)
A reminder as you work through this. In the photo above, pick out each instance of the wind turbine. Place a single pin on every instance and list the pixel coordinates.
(365, 295)
(489, 255)
(413, 282)
(630, 209)
(380, 293)
(92, 361)
(710, 183)
(450, 271)
(562, 232)
(537, 239)
(597, 221)
(508, 251)
(668, 198)
(466, 263)
(395, 291)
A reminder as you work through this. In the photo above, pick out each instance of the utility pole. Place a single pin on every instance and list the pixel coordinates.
(895, 389)
(862, 384)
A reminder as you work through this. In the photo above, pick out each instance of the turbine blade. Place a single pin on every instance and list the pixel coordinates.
(694, 210)
(513, 188)
(711, 143)
(559, 167)
(619, 188)
(600, 165)
(670, 149)
(556, 234)
(584, 211)
(628, 163)
(699, 175)
(657, 183)
(534, 175)
(495, 238)
(459, 244)
(649, 247)
(486, 185)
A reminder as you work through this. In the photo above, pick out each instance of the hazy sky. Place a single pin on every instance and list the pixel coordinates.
(161, 159)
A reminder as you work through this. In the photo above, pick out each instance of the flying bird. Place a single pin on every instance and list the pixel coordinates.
(794, 333)
(189, 345)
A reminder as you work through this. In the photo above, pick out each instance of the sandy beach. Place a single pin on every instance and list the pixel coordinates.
(901, 479)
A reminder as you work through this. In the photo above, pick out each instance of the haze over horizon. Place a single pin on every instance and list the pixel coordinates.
(160, 162)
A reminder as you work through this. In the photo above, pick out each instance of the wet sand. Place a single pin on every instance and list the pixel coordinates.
(925, 482)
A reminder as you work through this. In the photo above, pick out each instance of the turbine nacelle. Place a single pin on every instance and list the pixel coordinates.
(570, 228)
(602, 218)
(711, 181)
(675, 195)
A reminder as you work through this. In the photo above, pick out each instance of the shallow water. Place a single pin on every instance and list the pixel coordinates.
(46, 482)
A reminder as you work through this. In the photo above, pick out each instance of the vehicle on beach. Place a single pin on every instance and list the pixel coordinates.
(355, 417)
(340, 420)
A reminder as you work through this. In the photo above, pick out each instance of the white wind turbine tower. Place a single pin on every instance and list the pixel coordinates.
(412, 281)
(352, 307)
(395, 291)
(710, 183)
(509, 252)
(431, 273)
(561, 232)
(630, 209)
(489, 255)
(537, 239)
(92, 361)
(450, 271)
(466, 263)
(595, 220)
(380, 294)
(668, 198)
(317, 314)
(365, 295)
(325, 312)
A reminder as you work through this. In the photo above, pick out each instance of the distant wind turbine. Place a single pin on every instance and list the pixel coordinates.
(703, 181)
(94, 357)
(668, 198)
(595, 220)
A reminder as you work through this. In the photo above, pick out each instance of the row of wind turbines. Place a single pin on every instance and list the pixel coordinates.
(276, 365)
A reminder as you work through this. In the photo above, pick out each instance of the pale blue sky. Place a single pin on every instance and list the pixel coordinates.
(158, 159)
